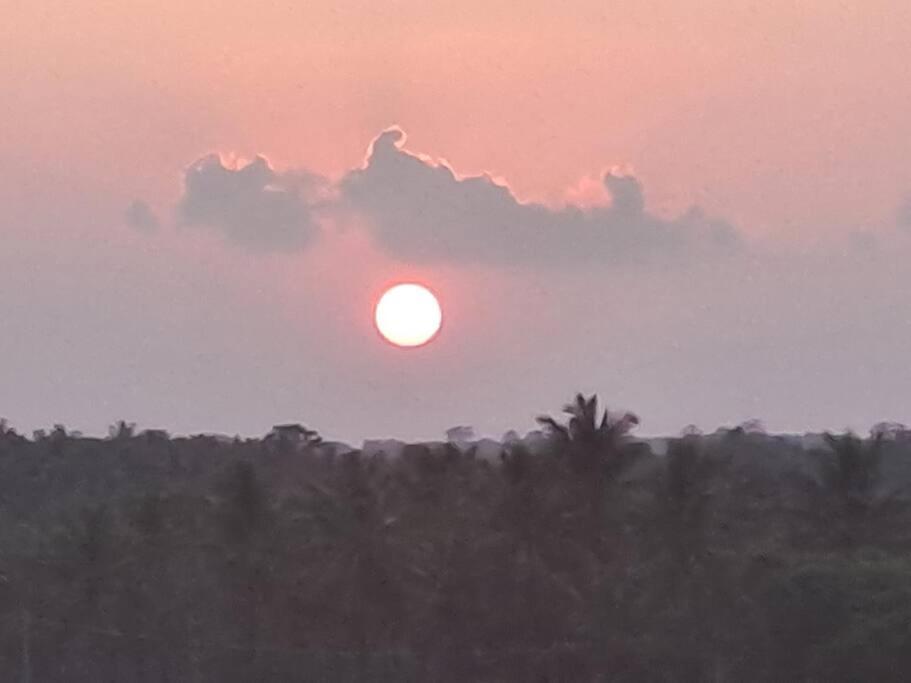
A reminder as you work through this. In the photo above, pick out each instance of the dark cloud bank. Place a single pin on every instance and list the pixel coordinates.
(422, 211)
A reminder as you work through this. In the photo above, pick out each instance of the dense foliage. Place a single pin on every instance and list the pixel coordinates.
(736, 556)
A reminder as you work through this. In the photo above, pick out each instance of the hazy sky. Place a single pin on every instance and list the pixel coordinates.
(700, 210)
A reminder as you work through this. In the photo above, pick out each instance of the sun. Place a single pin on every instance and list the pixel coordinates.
(408, 315)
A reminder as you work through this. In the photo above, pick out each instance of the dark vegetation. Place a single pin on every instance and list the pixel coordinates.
(735, 556)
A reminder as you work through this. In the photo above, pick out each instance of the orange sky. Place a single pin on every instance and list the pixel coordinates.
(791, 120)
(772, 114)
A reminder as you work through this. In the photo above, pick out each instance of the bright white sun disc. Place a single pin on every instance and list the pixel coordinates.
(408, 315)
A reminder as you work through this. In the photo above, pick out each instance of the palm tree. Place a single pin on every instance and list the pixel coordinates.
(541, 574)
(360, 580)
(851, 473)
(685, 490)
(683, 499)
(594, 449)
(592, 445)
(246, 518)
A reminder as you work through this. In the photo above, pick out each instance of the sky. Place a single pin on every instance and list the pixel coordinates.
(699, 210)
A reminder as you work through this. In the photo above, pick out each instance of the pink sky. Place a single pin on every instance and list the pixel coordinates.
(790, 121)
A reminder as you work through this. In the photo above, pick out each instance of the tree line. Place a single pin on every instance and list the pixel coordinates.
(737, 556)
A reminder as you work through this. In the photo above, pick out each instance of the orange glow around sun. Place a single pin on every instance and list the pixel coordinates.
(408, 315)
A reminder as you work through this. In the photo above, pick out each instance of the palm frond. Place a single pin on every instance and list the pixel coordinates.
(552, 426)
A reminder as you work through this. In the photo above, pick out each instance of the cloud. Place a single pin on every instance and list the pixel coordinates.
(251, 205)
(140, 216)
(421, 210)
(626, 193)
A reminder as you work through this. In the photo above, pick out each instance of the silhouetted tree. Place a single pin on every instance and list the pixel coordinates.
(684, 498)
(246, 523)
(851, 472)
(291, 437)
(593, 448)
(122, 430)
(198, 559)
